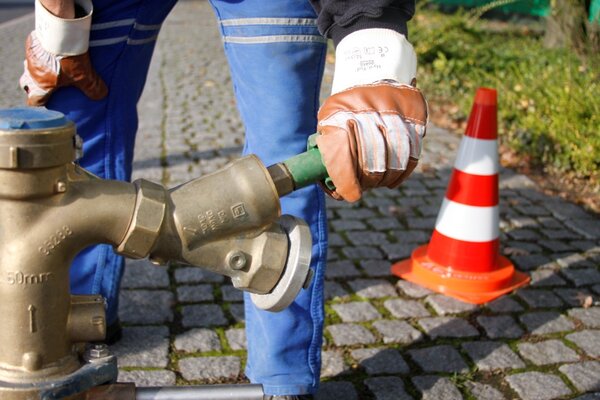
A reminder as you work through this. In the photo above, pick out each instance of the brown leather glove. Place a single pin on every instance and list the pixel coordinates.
(370, 136)
(45, 72)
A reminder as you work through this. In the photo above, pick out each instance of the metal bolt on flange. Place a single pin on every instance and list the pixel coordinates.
(99, 351)
(236, 260)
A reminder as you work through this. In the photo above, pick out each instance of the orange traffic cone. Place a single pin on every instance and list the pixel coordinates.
(462, 259)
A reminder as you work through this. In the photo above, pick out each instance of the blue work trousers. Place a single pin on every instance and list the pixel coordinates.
(276, 57)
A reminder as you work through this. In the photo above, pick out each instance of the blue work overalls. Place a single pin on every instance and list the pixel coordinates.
(276, 56)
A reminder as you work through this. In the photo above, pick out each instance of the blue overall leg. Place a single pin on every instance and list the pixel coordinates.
(276, 56)
(121, 44)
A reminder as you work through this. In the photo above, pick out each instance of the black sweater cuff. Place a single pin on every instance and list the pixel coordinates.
(391, 19)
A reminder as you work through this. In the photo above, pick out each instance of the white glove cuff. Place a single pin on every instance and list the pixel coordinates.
(371, 55)
(63, 37)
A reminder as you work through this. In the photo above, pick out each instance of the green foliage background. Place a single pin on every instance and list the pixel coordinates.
(549, 100)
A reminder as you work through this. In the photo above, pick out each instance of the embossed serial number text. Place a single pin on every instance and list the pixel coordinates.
(53, 241)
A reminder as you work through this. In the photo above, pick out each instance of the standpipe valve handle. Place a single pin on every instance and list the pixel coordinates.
(301, 170)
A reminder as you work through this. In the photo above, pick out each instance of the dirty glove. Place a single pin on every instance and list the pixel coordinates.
(56, 55)
(371, 128)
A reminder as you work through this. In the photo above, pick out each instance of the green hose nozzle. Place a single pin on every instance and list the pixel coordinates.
(301, 170)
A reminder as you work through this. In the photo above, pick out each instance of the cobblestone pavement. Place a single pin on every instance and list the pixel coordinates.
(385, 338)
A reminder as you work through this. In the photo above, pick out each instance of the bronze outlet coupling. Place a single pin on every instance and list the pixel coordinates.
(50, 209)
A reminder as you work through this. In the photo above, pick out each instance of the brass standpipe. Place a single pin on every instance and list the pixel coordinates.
(51, 209)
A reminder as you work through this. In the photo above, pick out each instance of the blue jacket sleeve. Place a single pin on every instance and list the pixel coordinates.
(338, 18)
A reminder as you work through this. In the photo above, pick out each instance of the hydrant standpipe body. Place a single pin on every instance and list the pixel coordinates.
(51, 209)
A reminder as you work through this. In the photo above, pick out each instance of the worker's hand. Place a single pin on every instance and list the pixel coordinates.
(371, 128)
(56, 55)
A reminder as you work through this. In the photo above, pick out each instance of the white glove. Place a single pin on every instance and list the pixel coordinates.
(56, 55)
(372, 126)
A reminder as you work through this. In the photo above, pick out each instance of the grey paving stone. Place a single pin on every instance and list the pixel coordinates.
(484, 392)
(500, 326)
(546, 277)
(198, 340)
(230, 293)
(412, 236)
(146, 346)
(378, 361)
(437, 327)
(589, 316)
(421, 222)
(197, 275)
(341, 269)
(384, 224)
(445, 305)
(541, 323)
(376, 268)
(538, 298)
(573, 261)
(523, 248)
(533, 210)
(144, 274)
(372, 288)
(490, 356)
(531, 262)
(397, 251)
(334, 290)
(236, 339)
(401, 308)
(556, 245)
(550, 222)
(582, 276)
(237, 312)
(524, 234)
(442, 358)
(362, 253)
(196, 293)
(504, 304)
(589, 396)
(397, 332)
(588, 227)
(538, 386)
(561, 234)
(332, 255)
(374, 202)
(357, 311)
(332, 363)
(588, 341)
(143, 378)
(355, 213)
(202, 316)
(197, 368)
(523, 222)
(585, 376)
(336, 390)
(359, 238)
(575, 297)
(156, 305)
(436, 387)
(350, 334)
(387, 388)
(343, 225)
(336, 240)
(413, 290)
(547, 352)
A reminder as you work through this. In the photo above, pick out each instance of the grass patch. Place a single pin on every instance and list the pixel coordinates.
(549, 108)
